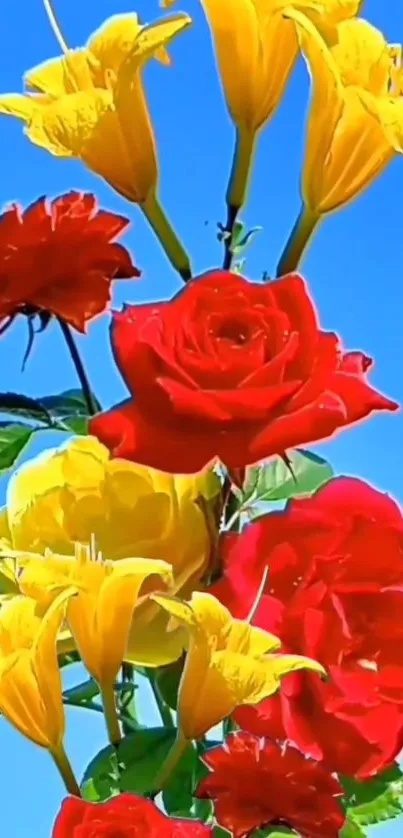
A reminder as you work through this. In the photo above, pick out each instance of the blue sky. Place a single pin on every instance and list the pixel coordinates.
(353, 268)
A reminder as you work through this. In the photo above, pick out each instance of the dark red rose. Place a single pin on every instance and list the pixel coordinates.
(335, 593)
(60, 257)
(125, 816)
(255, 782)
(230, 369)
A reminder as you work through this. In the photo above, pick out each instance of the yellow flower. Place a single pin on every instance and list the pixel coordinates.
(100, 615)
(90, 103)
(228, 663)
(355, 124)
(30, 683)
(74, 492)
(256, 49)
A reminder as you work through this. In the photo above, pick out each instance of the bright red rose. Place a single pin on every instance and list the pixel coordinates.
(255, 782)
(230, 369)
(59, 257)
(334, 593)
(126, 816)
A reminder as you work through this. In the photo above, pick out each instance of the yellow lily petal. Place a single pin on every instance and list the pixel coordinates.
(325, 111)
(30, 683)
(388, 112)
(16, 104)
(226, 663)
(361, 54)
(114, 40)
(86, 125)
(348, 144)
(5, 533)
(247, 639)
(8, 578)
(75, 491)
(235, 30)
(60, 76)
(152, 639)
(158, 34)
(100, 615)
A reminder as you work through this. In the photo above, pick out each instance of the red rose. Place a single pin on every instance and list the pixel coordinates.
(59, 257)
(230, 369)
(334, 593)
(126, 816)
(255, 783)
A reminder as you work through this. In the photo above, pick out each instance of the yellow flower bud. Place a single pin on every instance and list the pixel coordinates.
(30, 683)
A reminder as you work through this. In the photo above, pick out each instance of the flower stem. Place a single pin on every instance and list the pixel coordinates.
(237, 186)
(126, 698)
(175, 754)
(65, 770)
(110, 713)
(55, 26)
(298, 241)
(163, 709)
(79, 366)
(174, 249)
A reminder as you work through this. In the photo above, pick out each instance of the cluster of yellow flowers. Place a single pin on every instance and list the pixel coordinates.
(112, 607)
(90, 103)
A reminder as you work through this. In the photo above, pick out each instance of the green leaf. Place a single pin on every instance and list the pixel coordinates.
(274, 481)
(19, 405)
(376, 800)
(178, 795)
(82, 692)
(139, 757)
(67, 404)
(350, 829)
(273, 832)
(14, 436)
(243, 241)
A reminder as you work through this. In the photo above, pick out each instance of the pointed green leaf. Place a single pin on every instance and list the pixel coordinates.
(70, 403)
(17, 404)
(376, 800)
(275, 481)
(14, 436)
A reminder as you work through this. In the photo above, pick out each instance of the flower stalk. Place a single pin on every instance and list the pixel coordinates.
(79, 367)
(169, 765)
(237, 187)
(65, 770)
(298, 241)
(170, 242)
(111, 714)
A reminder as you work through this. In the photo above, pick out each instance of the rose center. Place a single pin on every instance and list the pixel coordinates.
(234, 331)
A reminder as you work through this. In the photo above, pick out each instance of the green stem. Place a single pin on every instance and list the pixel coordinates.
(167, 768)
(65, 770)
(245, 142)
(97, 708)
(174, 249)
(79, 366)
(163, 709)
(110, 713)
(127, 699)
(298, 240)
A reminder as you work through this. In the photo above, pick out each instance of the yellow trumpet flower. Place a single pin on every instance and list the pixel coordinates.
(355, 121)
(100, 615)
(256, 48)
(228, 663)
(30, 682)
(90, 104)
(66, 495)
